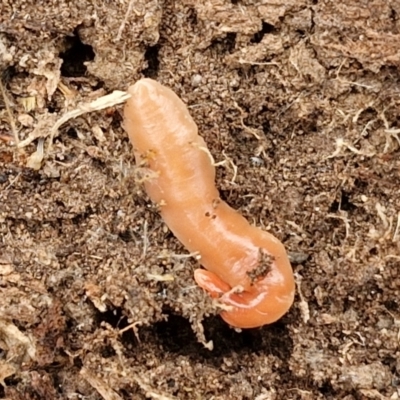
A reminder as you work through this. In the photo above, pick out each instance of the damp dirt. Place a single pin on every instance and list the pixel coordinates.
(300, 102)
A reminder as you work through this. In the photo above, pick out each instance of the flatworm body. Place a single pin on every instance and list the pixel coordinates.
(246, 268)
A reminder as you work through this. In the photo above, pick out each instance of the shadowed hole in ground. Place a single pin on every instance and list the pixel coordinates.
(75, 55)
(176, 336)
(266, 28)
(226, 44)
(153, 62)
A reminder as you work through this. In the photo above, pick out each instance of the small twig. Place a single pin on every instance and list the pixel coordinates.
(340, 143)
(242, 61)
(195, 254)
(244, 126)
(213, 163)
(349, 82)
(233, 165)
(150, 392)
(134, 328)
(10, 116)
(13, 181)
(109, 100)
(303, 304)
(105, 391)
(344, 219)
(396, 235)
(145, 239)
(123, 23)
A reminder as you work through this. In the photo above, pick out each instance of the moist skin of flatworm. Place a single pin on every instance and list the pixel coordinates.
(246, 269)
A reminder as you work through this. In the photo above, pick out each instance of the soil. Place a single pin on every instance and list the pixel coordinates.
(301, 98)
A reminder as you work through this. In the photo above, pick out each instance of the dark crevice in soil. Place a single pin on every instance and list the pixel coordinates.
(393, 15)
(301, 33)
(99, 164)
(361, 185)
(326, 389)
(77, 362)
(266, 126)
(6, 75)
(29, 175)
(153, 62)
(3, 178)
(126, 236)
(75, 55)
(343, 204)
(72, 133)
(113, 317)
(52, 107)
(107, 352)
(9, 381)
(226, 44)
(391, 305)
(116, 319)
(265, 30)
(192, 17)
(176, 336)
(79, 218)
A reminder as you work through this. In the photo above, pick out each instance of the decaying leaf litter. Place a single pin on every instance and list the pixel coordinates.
(299, 98)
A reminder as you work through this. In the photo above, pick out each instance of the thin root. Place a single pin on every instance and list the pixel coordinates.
(10, 116)
(244, 126)
(340, 143)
